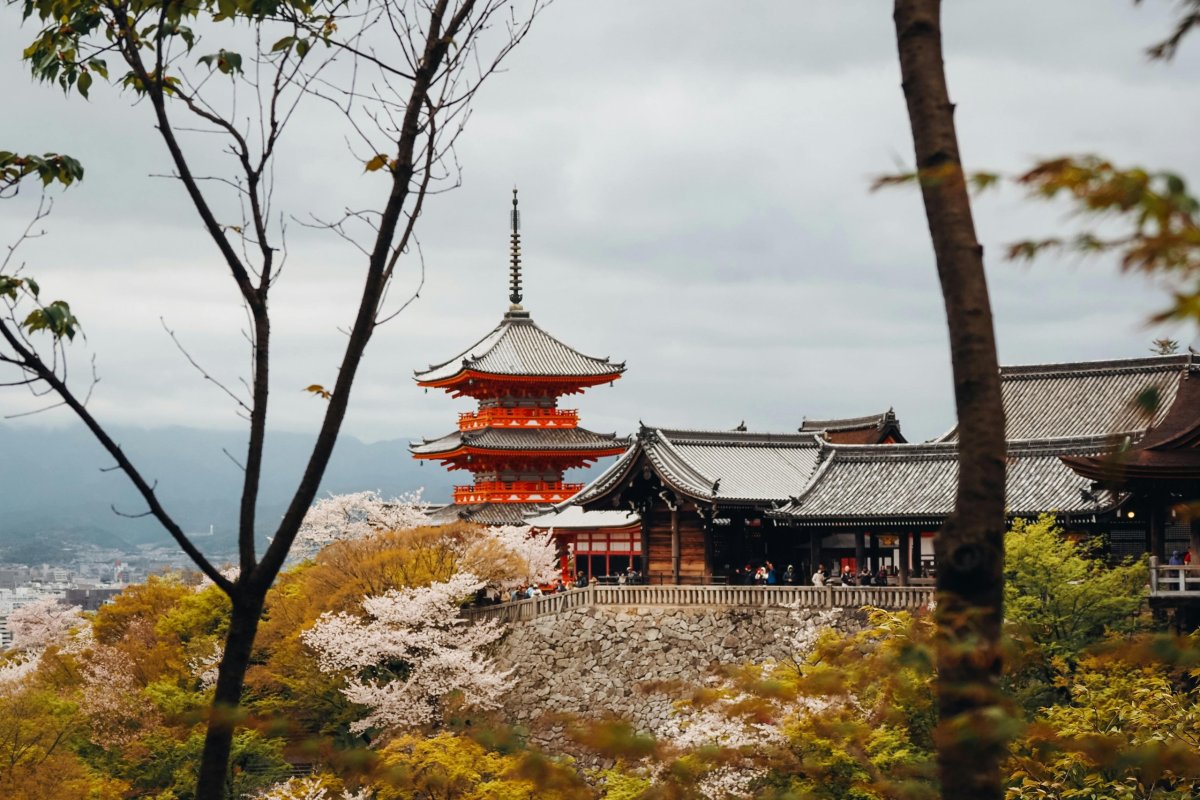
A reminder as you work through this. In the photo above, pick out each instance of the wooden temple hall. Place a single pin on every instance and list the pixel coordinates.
(1085, 444)
(1111, 448)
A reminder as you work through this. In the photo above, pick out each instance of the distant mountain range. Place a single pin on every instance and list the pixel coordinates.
(54, 492)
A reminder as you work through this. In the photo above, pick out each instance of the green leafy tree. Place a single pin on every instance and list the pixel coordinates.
(1060, 595)
(1061, 599)
(240, 70)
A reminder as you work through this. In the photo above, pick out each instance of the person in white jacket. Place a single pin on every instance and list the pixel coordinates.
(818, 577)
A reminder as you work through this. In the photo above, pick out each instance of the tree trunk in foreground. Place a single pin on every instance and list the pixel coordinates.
(970, 547)
(213, 774)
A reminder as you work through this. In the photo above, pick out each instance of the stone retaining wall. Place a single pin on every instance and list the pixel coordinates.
(594, 660)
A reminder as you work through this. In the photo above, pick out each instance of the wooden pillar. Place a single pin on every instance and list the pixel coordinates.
(1158, 527)
(904, 558)
(874, 553)
(1194, 544)
(709, 530)
(860, 550)
(675, 542)
(646, 511)
(814, 549)
(915, 561)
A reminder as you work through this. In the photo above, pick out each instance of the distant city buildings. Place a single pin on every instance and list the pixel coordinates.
(90, 578)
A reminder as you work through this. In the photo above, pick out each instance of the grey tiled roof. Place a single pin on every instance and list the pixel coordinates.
(918, 481)
(871, 429)
(518, 346)
(1086, 399)
(730, 466)
(567, 517)
(848, 423)
(568, 439)
(486, 513)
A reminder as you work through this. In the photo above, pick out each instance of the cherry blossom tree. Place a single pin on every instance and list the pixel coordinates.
(310, 788)
(37, 626)
(503, 556)
(410, 654)
(512, 555)
(44, 623)
(358, 515)
(262, 82)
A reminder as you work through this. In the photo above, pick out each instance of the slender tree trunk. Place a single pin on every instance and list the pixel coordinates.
(970, 547)
(223, 716)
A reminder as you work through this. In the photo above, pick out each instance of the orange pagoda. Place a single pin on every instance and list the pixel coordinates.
(517, 443)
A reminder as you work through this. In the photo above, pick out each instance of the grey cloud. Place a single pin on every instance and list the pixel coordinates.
(694, 182)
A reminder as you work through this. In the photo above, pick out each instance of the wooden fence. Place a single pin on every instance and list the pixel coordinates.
(889, 597)
(1174, 580)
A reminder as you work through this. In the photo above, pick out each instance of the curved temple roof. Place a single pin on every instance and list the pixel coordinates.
(1168, 453)
(508, 440)
(871, 429)
(858, 483)
(571, 518)
(518, 347)
(485, 513)
(725, 466)
(1091, 398)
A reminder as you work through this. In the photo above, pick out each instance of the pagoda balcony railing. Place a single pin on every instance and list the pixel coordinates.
(499, 417)
(515, 492)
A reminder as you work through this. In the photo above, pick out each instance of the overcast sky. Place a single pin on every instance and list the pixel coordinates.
(694, 182)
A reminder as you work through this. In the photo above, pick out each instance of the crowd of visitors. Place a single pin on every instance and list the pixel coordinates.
(491, 596)
(767, 575)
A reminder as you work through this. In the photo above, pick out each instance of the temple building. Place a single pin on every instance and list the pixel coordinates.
(1111, 448)
(517, 443)
(703, 496)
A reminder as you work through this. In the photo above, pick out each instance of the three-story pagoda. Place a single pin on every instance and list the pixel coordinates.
(517, 443)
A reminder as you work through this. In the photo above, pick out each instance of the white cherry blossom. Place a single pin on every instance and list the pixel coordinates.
(356, 516)
(409, 653)
(307, 789)
(44, 623)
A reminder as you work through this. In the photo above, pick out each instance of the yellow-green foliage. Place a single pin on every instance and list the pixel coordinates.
(1108, 715)
(868, 731)
(285, 683)
(451, 767)
(620, 785)
(1060, 598)
(1130, 730)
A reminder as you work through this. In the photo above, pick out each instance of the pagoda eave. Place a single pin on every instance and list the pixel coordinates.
(478, 453)
(474, 383)
(1130, 474)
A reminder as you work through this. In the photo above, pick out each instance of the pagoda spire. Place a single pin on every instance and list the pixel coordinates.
(514, 280)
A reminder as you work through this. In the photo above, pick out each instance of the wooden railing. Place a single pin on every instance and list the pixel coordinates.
(516, 492)
(1174, 580)
(501, 417)
(888, 597)
(534, 607)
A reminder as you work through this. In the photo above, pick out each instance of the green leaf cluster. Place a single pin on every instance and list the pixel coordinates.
(56, 317)
(49, 168)
(1151, 220)
(76, 35)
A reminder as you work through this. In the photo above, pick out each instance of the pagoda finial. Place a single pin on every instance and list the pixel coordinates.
(514, 285)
